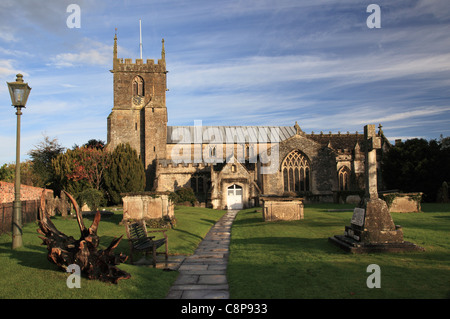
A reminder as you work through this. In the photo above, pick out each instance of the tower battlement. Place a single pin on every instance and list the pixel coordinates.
(120, 64)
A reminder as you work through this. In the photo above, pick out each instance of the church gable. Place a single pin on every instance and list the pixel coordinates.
(298, 142)
(234, 169)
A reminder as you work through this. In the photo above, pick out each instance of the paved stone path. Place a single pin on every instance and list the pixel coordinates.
(203, 275)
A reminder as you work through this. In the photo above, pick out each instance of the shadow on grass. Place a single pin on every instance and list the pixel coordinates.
(297, 278)
(31, 256)
(435, 207)
(289, 245)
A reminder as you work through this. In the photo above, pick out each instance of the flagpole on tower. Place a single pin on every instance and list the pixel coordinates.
(140, 37)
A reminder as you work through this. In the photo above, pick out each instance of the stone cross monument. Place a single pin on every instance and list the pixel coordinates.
(372, 143)
(372, 228)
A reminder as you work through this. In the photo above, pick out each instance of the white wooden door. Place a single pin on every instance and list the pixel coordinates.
(234, 197)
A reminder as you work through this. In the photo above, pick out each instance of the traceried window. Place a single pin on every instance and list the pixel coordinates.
(296, 171)
(138, 86)
(344, 178)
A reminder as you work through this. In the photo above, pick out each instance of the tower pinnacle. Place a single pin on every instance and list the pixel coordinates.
(115, 49)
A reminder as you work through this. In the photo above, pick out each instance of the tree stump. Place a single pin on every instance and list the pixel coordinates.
(65, 250)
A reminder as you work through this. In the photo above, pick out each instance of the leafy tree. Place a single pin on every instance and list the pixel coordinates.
(27, 174)
(93, 143)
(42, 157)
(124, 174)
(89, 164)
(80, 171)
(7, 173)
(417, 165)
(92, 197)
(183, 195)
(444, 142)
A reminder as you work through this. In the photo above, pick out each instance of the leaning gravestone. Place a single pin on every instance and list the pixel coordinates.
(372, 228)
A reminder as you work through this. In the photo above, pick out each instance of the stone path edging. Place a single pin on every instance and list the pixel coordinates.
(203, 275)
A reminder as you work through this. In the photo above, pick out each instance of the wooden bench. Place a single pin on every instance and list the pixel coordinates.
(141, 242)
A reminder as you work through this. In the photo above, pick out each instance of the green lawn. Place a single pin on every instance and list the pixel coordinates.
(295, 260)
(26, 272)
(267, 259)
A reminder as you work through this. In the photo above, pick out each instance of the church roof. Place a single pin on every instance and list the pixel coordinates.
(258, 134)
(338, 141)
(228, 134)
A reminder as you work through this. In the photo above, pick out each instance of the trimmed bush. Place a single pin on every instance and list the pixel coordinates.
(124, 174)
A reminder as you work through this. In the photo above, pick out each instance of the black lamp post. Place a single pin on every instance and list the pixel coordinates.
(19, 92)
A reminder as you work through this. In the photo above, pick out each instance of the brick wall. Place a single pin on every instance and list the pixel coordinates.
(26, 192)
(30, 197)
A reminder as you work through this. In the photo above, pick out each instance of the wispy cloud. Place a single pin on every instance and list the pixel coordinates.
(87, 52)
(253, 62)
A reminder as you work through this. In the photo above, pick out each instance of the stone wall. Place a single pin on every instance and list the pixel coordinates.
(171, 176)
(147, 206)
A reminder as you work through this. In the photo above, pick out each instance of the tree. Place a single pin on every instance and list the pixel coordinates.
(417, 165)
(444, 142)
(183, 195)
(124, 174)
(93, 143)
(7, 173)
(42, 157)
(89, 163)
(79, 170)
(27, 174)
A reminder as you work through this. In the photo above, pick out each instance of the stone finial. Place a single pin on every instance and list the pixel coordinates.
(115, 49)
(163, 51)
(297, 128)
(379, 129)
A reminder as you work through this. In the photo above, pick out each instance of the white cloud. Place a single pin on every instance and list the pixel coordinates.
(87, 52)
(7, 68)
(260, 71)
(7, 34)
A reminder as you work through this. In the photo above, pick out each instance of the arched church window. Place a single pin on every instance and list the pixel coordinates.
(344, 178)
(296, 170)
(138, 86)
(212, 151)
(199, 183)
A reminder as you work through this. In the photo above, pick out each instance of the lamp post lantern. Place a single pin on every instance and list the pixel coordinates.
(19, 92)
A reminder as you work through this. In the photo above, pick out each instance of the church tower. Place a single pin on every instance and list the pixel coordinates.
(139, 114)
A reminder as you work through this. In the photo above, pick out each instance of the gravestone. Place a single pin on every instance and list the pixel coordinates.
(372, 228)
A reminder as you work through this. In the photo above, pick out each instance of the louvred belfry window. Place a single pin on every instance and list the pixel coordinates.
(296, 172)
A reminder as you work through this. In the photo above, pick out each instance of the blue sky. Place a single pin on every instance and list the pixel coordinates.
(247, 62)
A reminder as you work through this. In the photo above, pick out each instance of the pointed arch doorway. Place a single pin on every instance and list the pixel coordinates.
(234, 197)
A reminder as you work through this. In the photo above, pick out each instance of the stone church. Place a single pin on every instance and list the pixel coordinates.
(228, 166)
